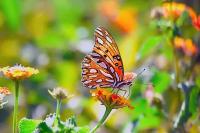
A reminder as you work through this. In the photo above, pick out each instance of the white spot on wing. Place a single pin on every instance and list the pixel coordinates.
(93, 70)
(86, 65)
(92, 76)
(106, 74)
(99, 29)
(99, 32)
(99, 40)
(110, 80)
(102, 64)
(87, 81)
(95, 54)
(111, 69)
(108, 39)
(99, 80)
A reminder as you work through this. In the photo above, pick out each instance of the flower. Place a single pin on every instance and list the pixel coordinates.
(172, 10)
(3, 92)
(59, 93)
(18, 72)
(123, 18)
(196, 22)
(110, 100)
(188, 47)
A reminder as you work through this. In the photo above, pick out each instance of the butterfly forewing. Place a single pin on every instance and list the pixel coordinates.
(107, 48)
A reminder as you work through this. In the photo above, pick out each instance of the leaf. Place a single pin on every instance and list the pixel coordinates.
(28, 125)
(12, 12)
(149, 45)
(161, 81)
(149, 122)
(44, 128)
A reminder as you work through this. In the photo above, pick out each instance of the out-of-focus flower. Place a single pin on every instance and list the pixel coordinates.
(123, 18)
(157, 12)
(110, 100)
(188, 47)
(172, 10)
(196, 22)
(149, 93)
(152, 97)
(59, 93)
(3, 92)
(18, 72)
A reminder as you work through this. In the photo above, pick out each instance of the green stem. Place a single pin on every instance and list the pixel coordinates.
(58, 108)
(16, 106)
(56, 121)
(106, 114)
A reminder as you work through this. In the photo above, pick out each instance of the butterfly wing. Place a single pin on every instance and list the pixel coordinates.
(106, 47)
(93, 75)
(103, 67)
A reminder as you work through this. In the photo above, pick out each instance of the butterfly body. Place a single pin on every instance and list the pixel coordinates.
(104, 67)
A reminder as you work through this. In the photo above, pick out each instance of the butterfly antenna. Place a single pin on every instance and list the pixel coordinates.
(140, 73)
(144, 69)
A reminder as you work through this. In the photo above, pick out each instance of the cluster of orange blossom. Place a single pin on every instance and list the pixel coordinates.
(188, 47)
(110, 100)
(123, 18)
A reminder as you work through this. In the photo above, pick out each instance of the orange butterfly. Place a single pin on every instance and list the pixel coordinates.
(104, 67)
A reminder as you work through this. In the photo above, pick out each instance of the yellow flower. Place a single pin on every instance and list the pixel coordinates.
(18, 72)
(110, 100)
(173, 9)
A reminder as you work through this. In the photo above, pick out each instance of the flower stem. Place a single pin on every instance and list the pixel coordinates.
(106, 114)
(58, 108)
(16, 106)
(56, 121)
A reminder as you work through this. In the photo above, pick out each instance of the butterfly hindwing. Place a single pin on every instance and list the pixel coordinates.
(93, 75)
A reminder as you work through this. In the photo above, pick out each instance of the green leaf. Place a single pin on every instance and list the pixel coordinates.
(149, 122)
(149, 45)
(28, 125)
(161, 81)
(12, 12)
(44, 128)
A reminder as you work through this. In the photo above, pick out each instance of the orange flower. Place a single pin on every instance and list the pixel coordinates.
(122, 18)
(173, 9)
(110, 100)
(18, 72)
(188, 47)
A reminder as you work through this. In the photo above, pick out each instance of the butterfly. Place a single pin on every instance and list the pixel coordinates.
(103, 67)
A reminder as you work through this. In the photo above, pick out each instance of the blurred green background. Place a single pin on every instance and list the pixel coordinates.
(55, 35)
